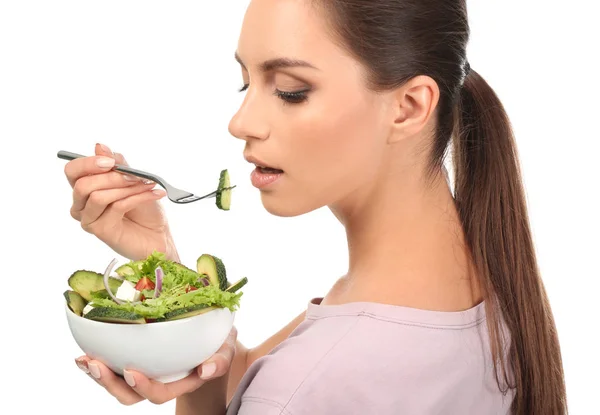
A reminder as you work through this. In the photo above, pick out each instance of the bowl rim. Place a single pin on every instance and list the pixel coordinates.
(159, 324)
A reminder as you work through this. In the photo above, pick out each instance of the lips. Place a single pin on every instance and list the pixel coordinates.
(263, 166)
(269, 170)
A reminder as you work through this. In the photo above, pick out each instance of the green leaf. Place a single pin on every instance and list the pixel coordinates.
(173, 296)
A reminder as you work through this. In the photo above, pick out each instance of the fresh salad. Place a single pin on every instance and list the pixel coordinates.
(152, 290)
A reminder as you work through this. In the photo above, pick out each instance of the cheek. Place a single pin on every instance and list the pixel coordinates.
(332, 148)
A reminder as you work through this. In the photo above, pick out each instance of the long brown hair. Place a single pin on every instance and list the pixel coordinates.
(396, 40)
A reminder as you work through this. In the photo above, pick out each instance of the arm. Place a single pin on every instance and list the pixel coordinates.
(209, 399)
(212, 397)
(244, 357)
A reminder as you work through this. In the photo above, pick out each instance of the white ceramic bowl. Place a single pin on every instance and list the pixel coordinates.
(166, 351)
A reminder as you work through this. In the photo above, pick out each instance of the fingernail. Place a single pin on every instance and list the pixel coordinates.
(159, 192)
(105, 148)
(105, 162)
(81, 364)
(130, 178)
(208, 370)
(94, 370)
(129, 378)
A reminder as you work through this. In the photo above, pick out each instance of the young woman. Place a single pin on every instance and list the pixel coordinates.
(352, 105)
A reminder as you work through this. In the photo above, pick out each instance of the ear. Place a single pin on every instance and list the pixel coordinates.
(413, 105)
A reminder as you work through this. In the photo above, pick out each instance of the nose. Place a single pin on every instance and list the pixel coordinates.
(250, 121)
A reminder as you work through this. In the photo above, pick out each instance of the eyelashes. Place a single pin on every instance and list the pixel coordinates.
(294, 97)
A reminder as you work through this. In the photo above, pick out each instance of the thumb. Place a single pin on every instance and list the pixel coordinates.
(219, 363)
(104, 150)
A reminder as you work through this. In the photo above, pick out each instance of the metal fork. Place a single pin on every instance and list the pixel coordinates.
(174, 194)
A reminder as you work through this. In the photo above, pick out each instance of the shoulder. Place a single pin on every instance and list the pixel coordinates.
(368, 362)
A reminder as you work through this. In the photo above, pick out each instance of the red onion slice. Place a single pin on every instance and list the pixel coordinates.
(159, 274)
(106, 276)
(204, 281)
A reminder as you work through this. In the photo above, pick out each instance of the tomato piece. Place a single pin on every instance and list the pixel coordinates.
(145, 283)
(190, 288)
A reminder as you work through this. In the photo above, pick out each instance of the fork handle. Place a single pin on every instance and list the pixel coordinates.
(67, 155)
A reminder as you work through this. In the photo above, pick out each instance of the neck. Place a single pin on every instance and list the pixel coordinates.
(406, 246)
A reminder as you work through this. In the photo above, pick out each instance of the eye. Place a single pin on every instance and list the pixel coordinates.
(295, 97)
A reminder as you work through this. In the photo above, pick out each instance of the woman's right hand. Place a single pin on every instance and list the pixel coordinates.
(122, 211)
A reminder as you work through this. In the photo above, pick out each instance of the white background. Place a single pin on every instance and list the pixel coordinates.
(128, 73)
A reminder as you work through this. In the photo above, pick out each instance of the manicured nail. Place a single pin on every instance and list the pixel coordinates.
(130, 178)
(105, 162)
(129, 378)
(94, 370)
(208, 370)
(159, 192)
(82, 365)
(105, 148)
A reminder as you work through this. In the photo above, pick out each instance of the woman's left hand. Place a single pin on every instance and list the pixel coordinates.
(134, 387)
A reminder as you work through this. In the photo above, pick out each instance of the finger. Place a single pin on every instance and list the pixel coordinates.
(220, 362)
(82, 363)
(115, 385)
(84, 166)
(115, 211)
(103, 150)
(109, 380)
(159, 393)
(88, 184)
(121, 159)
(99, 201)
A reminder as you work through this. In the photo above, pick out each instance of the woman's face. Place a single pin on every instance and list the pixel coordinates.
(329, 135)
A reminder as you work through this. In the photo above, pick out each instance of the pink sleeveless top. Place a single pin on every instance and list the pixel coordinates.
(370, 358)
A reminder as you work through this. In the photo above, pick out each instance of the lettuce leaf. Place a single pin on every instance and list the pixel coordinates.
(175, 299)
(176, 280)
(150, 263)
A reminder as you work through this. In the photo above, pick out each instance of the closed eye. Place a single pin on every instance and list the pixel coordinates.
(293, 97)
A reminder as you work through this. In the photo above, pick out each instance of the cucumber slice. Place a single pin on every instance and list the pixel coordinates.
(237, 285)
(75, 302)
(114, 315)
(187, 312)
(84, 282)
(214, 268)
(224, 196)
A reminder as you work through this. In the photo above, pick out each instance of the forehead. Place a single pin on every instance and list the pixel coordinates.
(284, 28)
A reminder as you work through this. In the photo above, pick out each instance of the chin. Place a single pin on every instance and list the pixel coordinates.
(285, 208)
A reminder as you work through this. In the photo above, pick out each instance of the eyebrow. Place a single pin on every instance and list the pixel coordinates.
(278, 63)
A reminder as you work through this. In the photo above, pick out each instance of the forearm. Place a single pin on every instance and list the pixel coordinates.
(202, 402)
(238, 369)
(244, 356)
(209, 399)
(213, 397)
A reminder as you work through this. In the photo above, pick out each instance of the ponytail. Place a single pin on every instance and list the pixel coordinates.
(491, 204)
